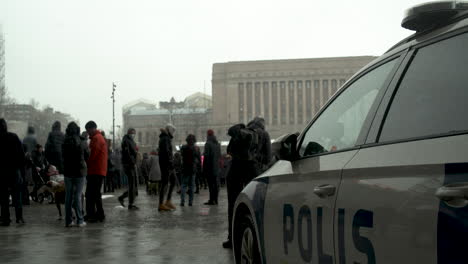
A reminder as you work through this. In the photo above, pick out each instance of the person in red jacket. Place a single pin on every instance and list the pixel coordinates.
(97, 170)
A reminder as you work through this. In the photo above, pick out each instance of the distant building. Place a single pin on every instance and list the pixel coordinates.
(41, 120)
(191, 116)
(287, 93)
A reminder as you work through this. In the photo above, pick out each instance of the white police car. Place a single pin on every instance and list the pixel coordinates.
(380, 175)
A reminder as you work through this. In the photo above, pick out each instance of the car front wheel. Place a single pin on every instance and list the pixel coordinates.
(247, 243)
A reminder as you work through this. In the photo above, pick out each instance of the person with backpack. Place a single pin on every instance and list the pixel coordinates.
(250, 149)
(190, 159)
(212, 155)
(262, 154)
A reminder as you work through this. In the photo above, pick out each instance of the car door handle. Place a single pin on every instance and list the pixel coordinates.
(325, 190)
(453, 191)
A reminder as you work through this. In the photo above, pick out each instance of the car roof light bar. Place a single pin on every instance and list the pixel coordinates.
(427, 15)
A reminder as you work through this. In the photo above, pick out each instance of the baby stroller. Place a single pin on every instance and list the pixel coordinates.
(41, 190)
(57, 184)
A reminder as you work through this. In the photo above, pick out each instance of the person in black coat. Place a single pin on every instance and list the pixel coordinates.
(129, 156)
(75, 170)
(12, 164)
(53, 147)
(243, 169)
(190, 158)
(166, 163)
(212, 155)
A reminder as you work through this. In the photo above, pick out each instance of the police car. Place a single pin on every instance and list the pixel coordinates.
(380, 175)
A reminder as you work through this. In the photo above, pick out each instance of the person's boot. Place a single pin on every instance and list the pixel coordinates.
(121, 201)
(168, 204)
(227, 244)
(163, 207)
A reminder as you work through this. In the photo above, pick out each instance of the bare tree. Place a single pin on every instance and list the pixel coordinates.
(5, 99)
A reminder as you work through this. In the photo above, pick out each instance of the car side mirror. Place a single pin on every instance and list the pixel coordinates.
(284, 147)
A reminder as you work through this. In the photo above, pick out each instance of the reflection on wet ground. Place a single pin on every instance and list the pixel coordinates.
(186, 235)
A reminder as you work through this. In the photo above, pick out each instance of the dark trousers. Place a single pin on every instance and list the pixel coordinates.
(117, 181)
(94, 208)
(213, 187)
(109, 184)
(239, 175)
(167, 178)
(15, 190)
(130, 171)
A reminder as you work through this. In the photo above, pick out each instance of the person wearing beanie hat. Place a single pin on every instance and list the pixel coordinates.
(212, 155)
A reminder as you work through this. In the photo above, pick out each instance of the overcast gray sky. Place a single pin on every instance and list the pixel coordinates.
(67, 53)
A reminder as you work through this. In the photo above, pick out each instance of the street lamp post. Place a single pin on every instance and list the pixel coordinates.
(113, 115)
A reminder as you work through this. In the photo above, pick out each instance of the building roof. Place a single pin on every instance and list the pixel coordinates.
(140, 103)
(198, 100)
(178, 111)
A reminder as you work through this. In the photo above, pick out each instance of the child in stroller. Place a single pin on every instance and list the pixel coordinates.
(41, 191)
(52, 187)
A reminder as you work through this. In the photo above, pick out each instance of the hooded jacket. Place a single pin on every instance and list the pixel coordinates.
(212, 155)
(129, 152)
(236, 148)
(263, 156)
(11, 153)
(53, 147)
(166, 158)
(74, 165)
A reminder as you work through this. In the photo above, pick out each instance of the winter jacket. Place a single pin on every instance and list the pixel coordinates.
(263, 156)
(97, 162)
(53, 147)
(39, 160)
(212, 155)
(129, 153)
(178, 163)
(30, 142)
(190, 159)
(11, 155)
(166, 158)
(74, 164)
(154, 169)
(236, 148)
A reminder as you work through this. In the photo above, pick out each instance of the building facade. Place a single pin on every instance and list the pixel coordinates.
(287, 93)
(42, 121)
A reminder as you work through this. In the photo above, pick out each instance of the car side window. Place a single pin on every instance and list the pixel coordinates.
(338, 127)
(432, 98)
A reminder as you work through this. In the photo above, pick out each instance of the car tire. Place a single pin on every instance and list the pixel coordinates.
(246, 242)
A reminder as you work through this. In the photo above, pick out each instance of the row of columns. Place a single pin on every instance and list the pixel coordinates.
(285, 102)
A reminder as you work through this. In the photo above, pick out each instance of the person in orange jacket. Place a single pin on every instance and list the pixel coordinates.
(97, 170)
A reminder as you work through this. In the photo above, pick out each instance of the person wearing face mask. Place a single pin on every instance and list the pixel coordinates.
(129, 157)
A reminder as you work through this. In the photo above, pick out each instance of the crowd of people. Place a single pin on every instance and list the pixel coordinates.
(86, 158)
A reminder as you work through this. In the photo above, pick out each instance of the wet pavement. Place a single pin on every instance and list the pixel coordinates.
(186, 235)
